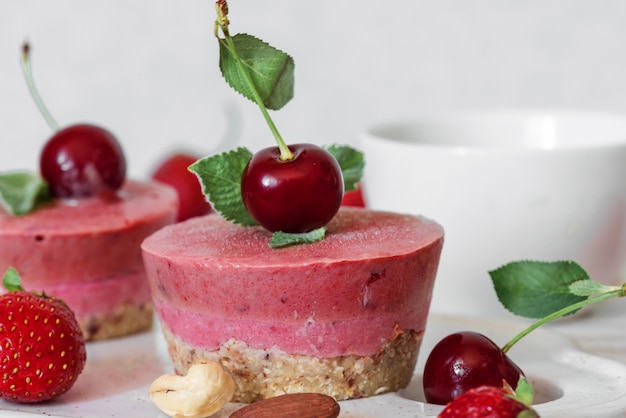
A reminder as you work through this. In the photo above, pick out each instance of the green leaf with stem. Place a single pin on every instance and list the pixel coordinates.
(230, 57)
(523, 286)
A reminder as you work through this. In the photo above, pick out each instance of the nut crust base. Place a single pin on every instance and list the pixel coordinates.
(127, 319)
(261, 374)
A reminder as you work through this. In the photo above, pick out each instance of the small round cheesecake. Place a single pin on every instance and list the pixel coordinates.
(343, 316)
(87, 252)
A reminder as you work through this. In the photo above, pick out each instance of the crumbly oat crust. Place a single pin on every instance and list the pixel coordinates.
(261, 374)
(127, 319)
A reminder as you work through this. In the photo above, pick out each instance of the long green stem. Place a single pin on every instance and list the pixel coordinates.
(562, 312)
(33, 90)
(222, 22)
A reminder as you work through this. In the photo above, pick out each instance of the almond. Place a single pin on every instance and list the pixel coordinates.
(301, 405)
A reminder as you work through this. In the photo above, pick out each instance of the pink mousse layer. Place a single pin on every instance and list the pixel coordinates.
(79, 245)
(212, 280)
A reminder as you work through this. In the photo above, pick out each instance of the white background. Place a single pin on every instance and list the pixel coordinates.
(148, 70)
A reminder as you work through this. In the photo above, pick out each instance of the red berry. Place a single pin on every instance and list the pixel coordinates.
(42, 350)
(464, 361)
(173, 171)
(354, 198)
(487, 402)
(82, 161)
(294, 196)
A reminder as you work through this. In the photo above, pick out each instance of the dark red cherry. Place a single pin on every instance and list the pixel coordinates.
(81, 161)
(296, 195)
(463, 361)
(174, 171)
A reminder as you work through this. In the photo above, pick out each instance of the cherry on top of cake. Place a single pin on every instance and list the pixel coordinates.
(77, 161)
(293, 190)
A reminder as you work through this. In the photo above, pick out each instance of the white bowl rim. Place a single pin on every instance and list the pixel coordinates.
(377, 131)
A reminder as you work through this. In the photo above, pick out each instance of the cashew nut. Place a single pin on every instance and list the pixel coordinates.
(205, 389)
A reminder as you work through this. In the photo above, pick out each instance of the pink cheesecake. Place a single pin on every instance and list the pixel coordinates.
(343, 316)
(87, 252)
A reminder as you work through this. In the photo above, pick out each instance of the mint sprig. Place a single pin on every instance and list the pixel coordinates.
(21, 192)
(547, 290)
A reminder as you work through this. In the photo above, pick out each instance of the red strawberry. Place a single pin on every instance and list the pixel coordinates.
(492, 402)
(354, 198)
(42, 350)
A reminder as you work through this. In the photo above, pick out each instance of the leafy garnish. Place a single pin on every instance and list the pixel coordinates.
(547, 290)
(351, 162)
(270, 69)
(21, 192)
(534, 289)
(11, 280)
(220, 177)
(283, 239)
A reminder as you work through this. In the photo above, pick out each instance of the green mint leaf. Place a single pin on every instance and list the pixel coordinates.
(22, 192)
(351, 162)
(283, 239)
(535, 289)
(270, 69)
(220, 177)
(11, 280)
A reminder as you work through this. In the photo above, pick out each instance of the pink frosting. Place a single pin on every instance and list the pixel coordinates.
(85, 239)
(102, 297)
(87, 252)
(212, 280)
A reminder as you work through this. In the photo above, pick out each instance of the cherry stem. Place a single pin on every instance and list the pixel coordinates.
(28, 74)
(614, 292)
(222, 23)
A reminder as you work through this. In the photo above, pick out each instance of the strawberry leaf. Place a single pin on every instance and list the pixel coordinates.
(351, 163)
(220, 177)
(524, 391)
(22, 192)
(283, 239)
(270, 69)
(535, 289)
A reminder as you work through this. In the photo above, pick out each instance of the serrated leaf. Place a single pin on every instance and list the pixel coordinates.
(270, 69)
(351, 162)
(220, 177)
(22, 192)
(535, 289)
(283, 239)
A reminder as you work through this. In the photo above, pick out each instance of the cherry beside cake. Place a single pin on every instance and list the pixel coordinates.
(343, 316)
(87, 252)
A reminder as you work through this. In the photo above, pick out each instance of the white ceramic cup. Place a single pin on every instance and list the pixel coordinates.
(506, 185)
